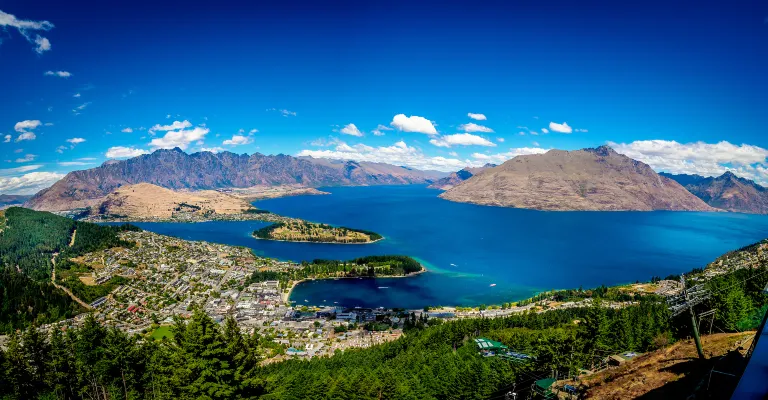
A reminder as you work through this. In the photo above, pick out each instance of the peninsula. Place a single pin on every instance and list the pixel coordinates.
(295, 230)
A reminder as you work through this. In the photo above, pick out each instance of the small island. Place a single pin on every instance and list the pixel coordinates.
(295, 230)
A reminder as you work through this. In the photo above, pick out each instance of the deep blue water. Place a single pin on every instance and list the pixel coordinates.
(467, 248)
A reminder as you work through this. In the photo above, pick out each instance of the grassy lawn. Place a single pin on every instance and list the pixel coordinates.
(163, 331)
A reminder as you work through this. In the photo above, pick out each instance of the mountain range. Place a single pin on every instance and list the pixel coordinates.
(457, 177)
(727, 192)
(598, 179)
(175, 169)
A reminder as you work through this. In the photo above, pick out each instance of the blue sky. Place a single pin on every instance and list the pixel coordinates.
(680, 85)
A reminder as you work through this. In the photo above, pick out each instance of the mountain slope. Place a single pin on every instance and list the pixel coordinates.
(590, 179)
(145, 200)
(728, 192)
(174, 169)
(459, 176)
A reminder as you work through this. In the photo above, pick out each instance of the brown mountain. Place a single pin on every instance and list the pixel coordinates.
(727, 192)
(145, 200)
(459, 176)
(590, 179)
(174, 169)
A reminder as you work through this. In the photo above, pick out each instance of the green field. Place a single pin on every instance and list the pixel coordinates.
(163, 331)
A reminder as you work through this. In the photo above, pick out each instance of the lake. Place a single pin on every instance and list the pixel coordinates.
(467, 248)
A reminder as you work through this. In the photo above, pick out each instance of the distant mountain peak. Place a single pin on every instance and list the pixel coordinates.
(727, 191)
(603, 150)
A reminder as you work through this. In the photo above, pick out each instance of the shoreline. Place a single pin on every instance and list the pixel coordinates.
(287, 295)
(310, 241)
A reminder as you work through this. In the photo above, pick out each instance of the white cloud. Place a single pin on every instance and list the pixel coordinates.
(252, 131)
(478, 117)
(544, 130)
(706, 159)
(213, 149)
(17, 170)
(61, 149)
(454, 154)
(581, 130)
(179, 138)
(351, 129)
(500, 140)
(284, 112)
(521, 133)
(27, 158)
(76, 140)
(81, 107)
(379, 131)
(26, 125)
(26, 136)
(60, 74)
(397, 154)
(7, 139)
(238, 140)
(126, 130)
(43, 44)
(413, 123)
(73, 163)
(461, 139)
(535, 143)
(76, 95)
(29, 183)
(124, 152)
(561, 128)
(473, 127)
(500, 158)
(25, 27)
(172, 127)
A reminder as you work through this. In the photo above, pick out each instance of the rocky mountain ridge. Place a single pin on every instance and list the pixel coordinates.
(175, 169)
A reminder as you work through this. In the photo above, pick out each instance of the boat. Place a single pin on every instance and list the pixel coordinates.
(383, 287)
(306, 301)
(493, 284)
(453, 265)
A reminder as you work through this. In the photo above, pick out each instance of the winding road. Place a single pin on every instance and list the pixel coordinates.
(53, 277)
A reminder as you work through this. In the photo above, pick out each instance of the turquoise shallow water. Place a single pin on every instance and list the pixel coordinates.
(467, 248)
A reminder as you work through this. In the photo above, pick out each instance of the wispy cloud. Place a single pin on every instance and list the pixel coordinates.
(283, 112)
(379, 131)
(461, 139)
(478, 117)
(26, 29)
(26, 158)
(473, 127)
(60, 74)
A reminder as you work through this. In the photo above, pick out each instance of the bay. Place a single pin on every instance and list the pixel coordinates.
(468, 248)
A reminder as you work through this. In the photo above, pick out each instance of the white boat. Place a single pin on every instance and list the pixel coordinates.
(493, 284)
(453, 265)
(383, 287)
(306, 301)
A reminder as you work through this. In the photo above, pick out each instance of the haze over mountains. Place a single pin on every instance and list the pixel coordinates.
(459, 176)
(588, 179)
(727, 192)
(175, 169)
(598, 179)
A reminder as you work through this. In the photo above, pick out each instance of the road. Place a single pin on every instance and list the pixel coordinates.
(53, 277)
